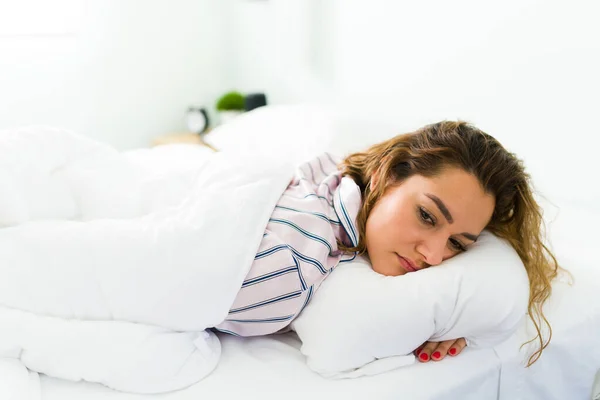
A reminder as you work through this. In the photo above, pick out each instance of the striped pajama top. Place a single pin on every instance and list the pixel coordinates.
(298, 250)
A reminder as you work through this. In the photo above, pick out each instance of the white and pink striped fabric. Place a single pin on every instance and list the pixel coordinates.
(299, 249)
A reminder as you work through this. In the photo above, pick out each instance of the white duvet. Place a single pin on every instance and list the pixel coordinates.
(112, 270)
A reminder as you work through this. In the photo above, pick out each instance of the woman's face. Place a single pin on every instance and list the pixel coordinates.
(423, 221)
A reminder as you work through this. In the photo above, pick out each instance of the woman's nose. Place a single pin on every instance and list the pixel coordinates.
(432, 250)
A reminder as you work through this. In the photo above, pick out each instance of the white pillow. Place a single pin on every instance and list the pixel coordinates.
(358, 316)
(298, 132)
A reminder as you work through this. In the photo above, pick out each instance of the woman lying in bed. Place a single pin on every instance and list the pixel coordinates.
(408, 203)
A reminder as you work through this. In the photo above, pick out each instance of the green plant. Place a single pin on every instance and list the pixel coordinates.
(231, 101)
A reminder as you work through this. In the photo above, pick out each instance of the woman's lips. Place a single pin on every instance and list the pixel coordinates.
(406, 264)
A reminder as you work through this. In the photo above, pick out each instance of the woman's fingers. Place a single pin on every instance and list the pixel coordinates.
(436, 351)
(458, 346)
(442, 349)
(426, 351)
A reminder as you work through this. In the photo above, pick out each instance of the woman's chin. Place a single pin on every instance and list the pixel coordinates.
(387, 269)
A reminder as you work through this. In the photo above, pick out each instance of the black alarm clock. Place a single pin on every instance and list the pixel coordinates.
(196, 119)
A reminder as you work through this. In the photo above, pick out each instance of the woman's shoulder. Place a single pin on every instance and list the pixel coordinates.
(318, 168)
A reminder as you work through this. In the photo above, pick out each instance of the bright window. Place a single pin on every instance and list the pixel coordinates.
(40, 17)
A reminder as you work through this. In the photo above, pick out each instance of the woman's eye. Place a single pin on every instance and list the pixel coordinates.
(425, 216)
(457, 245)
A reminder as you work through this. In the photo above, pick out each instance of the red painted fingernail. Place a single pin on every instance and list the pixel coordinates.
(437, 354)
(424, 356)
(452, 351)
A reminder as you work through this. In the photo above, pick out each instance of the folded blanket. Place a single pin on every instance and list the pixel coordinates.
(98, 253)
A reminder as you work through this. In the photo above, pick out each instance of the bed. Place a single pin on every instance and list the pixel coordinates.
(273, 366)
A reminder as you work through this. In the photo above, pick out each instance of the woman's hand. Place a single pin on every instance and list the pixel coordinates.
(436, 351)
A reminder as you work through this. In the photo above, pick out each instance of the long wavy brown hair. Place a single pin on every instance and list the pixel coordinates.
(517, 217)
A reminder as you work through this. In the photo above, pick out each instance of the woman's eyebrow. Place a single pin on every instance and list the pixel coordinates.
(440, 204)
(470, 236)
(444, 210)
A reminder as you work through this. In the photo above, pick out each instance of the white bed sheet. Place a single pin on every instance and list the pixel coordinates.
(273, 368)
(568, 366)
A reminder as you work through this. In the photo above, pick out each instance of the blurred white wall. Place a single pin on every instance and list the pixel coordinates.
(124, 72)
(523, 70)
(526, 71)
(282, 47)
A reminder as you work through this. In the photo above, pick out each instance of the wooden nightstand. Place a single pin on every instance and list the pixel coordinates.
(183, 138)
